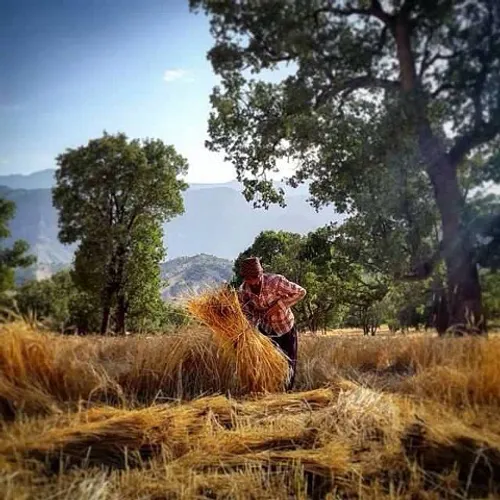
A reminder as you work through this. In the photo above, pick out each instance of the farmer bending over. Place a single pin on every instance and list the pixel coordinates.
(266, 300)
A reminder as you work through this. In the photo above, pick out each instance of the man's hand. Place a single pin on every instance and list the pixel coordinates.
(273, 309)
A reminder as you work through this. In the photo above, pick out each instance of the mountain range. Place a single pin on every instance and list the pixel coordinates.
(217, 219)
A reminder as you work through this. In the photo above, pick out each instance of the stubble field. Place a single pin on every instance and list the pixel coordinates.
(158, 417)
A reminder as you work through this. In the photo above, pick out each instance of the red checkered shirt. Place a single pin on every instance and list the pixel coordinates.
(275, 289)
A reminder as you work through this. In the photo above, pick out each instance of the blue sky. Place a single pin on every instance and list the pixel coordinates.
(73, 68)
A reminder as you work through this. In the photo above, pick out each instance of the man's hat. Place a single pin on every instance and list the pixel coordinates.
(251, 268)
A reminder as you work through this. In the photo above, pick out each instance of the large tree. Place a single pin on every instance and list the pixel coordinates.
(15, 256)
(113, 196)
(365, 77)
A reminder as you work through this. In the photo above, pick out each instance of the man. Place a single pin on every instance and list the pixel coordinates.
(266, 300)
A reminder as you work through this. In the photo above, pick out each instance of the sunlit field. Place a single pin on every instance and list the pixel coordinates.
(164, 417)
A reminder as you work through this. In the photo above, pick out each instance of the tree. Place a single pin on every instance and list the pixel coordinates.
(113, 196)
(369, 76)
(276, 250)
(491, 285)
(14, 257)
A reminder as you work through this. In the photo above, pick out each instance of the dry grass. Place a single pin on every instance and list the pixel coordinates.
(166, 417)
(260, 367)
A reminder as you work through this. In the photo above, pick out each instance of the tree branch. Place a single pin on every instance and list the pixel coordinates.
(441, 88)
(482, 131)
(374, 10)
(377, 11)
(357, 83)
(479, 135)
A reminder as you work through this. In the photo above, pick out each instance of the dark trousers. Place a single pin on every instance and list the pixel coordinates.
(289, 345)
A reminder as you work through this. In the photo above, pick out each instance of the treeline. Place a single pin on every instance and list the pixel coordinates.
(63, 307)
(346, 291)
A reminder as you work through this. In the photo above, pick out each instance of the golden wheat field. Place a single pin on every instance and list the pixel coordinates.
(164, 417)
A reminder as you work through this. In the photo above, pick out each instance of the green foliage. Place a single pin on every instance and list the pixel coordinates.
(14, 257)
(491, 294)
(63, 307)
(143, 285)
(482, 222)
(57, 302)
(161, 317)
(361, 111)
(113, 196)
(317, 115)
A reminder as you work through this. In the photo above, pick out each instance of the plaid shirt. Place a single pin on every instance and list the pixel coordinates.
(275, 289)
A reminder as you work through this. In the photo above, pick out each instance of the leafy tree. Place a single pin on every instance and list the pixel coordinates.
(276, 250)
(404, 306)
(113, 195)
(58, 303)
(363, 294)
(141, 297)
(483, 226)
(14, 257)
(367, 77)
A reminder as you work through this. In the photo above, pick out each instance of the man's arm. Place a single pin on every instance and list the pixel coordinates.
(290, 293)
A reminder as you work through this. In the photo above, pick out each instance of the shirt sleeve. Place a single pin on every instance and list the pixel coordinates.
(290, 293)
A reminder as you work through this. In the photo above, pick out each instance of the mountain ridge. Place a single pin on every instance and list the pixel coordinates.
(191, 274)
(217, 221)
(45, 179)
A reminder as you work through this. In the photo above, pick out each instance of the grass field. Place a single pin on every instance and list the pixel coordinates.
(163, 417)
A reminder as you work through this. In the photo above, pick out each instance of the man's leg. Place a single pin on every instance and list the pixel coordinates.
(288, 344)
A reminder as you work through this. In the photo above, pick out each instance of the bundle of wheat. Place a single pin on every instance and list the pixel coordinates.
(260, 366)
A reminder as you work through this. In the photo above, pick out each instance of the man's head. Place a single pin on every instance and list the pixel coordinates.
(251, 270)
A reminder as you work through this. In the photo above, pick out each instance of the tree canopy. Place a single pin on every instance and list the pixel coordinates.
(113, 196)
(365, 85)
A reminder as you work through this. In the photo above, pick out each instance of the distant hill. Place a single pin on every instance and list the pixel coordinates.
(44, 179)
(191, 274)
(183, 274)
(217, 221)
(35, 221)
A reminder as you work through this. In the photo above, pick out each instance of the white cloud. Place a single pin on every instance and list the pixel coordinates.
(172, 75)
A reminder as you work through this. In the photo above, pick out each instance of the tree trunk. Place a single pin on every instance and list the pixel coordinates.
(106, 313)
(464, 291)
(121, 315)
(106, 301)
(121, 299)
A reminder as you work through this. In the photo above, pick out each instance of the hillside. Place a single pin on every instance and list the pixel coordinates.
(35, 221)
(191, 274)
(183, 274)
(217, 220)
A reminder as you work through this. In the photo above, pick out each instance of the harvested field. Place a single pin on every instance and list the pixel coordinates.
(165, 417)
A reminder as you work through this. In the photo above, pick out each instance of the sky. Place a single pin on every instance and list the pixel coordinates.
(71, 69)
